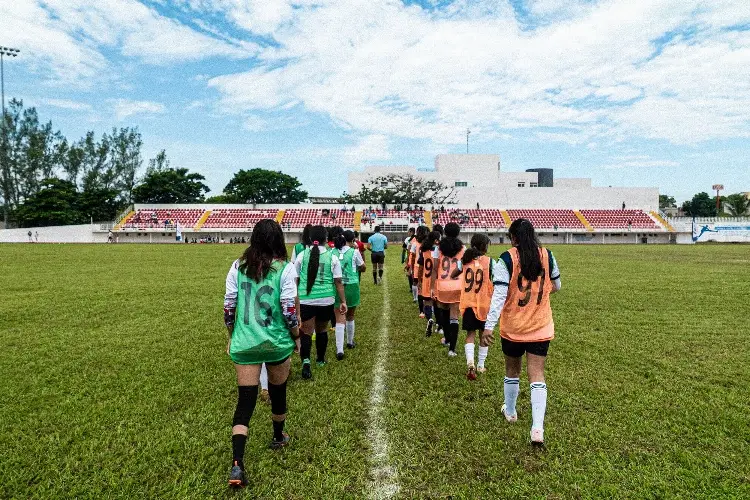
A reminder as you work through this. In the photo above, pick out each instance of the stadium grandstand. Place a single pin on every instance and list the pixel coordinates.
(486, 199)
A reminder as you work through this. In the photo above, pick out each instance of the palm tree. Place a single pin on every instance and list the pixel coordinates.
(738, 204)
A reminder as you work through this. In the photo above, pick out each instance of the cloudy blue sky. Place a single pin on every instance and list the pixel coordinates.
(630, 93)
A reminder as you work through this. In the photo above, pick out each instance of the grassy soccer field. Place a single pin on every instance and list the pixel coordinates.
(114, 384)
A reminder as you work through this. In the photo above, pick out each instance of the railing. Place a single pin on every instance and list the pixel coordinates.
(708, 220)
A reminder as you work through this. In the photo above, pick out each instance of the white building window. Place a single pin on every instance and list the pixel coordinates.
(461, 184)
(533, 184)
(521, 184)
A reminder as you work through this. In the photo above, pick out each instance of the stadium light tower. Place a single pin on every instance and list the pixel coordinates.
(718, 188)
(467, 140)
(10, 52)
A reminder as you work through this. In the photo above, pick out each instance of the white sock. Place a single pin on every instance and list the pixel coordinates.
(350, 331)
(414, 291)
(339, 338)
(538, 404)
(511, 395)
(483, 352)
(264, 378)
(469, 349)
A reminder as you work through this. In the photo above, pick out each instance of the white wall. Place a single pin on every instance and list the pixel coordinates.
(83, 233)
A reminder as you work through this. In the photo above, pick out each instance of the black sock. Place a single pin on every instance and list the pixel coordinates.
(380, 273)
(454, 336)
(420, 301)
(278, 430)
(375, 277)
(321, 344)
(238, 449)
(305, 346)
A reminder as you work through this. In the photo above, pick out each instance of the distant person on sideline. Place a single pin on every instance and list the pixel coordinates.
(377, 243)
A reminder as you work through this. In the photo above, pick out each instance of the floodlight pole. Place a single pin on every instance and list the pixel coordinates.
(11, 52)
(467, 140)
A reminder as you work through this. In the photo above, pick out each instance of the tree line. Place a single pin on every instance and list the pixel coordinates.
(47, 179)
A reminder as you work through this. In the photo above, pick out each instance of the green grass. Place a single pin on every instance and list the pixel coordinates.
(115, 384)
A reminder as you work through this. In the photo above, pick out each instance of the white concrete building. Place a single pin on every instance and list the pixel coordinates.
(479, 179)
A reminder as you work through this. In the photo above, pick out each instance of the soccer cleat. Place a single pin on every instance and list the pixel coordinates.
(421, 315)
(351, 345)
(265, 397)
(537, 436)
(440, 331)
(276, 445)
(237, 477)
(481, 369)
(509, 418)
(428, 331)
(471, 373)
(339, 356)
(306, 371)
(321, 364)
(443, 341)
(452, 354)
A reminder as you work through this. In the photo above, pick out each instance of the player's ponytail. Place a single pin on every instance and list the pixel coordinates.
(429, 241)
(421, 234)
(524, 237)
(318, 236)
(266, 245)
(479, 244)
(306, 235)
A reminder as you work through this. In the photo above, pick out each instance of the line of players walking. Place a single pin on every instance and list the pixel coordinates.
(274, 307)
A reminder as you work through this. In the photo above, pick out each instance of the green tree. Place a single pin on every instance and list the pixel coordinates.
(738, 204)
(163, 184)
(702, 205)
(55, 204)
(264, 186)
(666, 201)
(404, 189)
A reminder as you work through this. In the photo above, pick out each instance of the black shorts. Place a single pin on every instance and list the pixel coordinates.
(516, 349)
(470, 321)
(377, 257)
(320, 313)
(277, 363)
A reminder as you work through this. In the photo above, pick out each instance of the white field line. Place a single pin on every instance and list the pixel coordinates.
(383, 476)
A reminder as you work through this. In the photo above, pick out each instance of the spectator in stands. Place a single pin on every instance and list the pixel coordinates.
(623, 205)
(252, 342)
(477, 205)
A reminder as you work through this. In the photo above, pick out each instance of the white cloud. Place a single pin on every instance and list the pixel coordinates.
(66, 104)
(70, 36)
(380, 68)
(642, 163)
(368, 148)
(125, 108)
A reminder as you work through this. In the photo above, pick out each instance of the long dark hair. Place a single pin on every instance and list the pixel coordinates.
(479, 244)
(450, 245)
(438, 228)
(266, 245)
(421, 234)
(429, 242)
(349, 236)
(306, 235)
(318, 236)
(522, 231)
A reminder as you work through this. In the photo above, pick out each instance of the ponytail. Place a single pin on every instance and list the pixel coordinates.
(524, 237)
(317, 237)
(479, 244)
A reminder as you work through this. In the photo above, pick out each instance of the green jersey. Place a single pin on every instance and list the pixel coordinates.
(349, 274)
(323, 285)
(260, 333)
